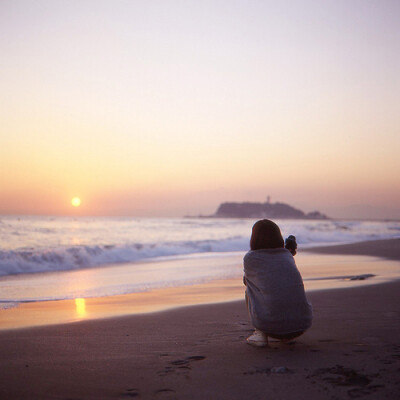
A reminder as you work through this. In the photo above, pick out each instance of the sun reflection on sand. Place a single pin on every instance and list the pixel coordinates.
(80, 305)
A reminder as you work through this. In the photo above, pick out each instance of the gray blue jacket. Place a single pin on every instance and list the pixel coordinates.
(275, 294)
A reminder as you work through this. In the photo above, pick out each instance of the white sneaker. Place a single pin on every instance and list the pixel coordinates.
(258, 338)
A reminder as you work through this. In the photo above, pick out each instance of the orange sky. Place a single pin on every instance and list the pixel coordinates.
(165, 108)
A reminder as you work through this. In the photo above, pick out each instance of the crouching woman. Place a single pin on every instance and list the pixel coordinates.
(275, 295)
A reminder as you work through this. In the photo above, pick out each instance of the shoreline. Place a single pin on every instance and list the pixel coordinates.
(385, 248)
(199, 352)
(52, 312)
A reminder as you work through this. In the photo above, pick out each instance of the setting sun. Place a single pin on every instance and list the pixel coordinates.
(76, 201)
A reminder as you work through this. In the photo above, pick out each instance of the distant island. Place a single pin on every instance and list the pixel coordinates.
(263, 210)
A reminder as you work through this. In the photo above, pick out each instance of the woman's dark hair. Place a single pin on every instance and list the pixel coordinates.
(266, 235)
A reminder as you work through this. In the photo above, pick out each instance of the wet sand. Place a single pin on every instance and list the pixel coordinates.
(319, 271)
(199, 352)
(389, 249)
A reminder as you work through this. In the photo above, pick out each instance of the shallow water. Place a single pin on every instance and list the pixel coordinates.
(337, 273)
(318, 271)
(47, 244)
(55, 259)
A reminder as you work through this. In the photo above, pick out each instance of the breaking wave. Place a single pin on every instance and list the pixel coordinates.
(137, 240)
(77, 257)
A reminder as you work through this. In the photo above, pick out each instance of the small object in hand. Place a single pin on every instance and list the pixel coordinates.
(291, 244)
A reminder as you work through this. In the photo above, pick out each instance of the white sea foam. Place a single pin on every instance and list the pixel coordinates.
(41, 244)
(331, 271)
(77, 257)
(6, 305)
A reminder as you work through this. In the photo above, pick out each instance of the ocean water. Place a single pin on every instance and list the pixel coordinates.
(52, 258)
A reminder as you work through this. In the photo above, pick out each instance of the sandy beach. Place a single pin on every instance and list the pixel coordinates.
(161, 162)
(199, 352)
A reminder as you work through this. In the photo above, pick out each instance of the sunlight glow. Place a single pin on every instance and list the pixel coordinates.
(76, 201)
(215, 110)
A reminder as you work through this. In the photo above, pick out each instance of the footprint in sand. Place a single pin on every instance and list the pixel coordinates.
(269, 371)
(166, 394)
(130, 393)
(195, 358)
(187, 360)
(179, 366)
(359, 384)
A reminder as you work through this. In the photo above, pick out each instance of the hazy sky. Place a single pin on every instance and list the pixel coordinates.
(168, 108)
